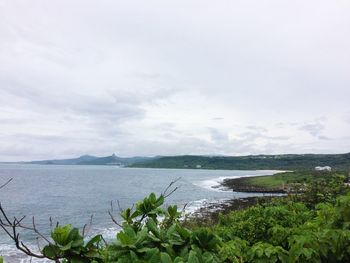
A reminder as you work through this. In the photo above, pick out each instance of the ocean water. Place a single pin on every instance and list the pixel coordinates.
(72, 194)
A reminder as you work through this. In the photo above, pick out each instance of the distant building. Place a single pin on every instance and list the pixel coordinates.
(198, 166)
(323, 168)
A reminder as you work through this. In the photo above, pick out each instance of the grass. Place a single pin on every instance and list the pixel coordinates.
(286, 178)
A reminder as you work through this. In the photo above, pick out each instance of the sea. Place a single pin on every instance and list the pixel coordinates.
(79, 195)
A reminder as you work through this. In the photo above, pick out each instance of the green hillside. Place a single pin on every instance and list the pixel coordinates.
(251, 162)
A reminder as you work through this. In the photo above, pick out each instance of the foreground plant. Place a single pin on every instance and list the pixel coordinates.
(153, 234)
(149, 233)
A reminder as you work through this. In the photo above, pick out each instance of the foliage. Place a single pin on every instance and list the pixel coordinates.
(146, 238)
(149, 233)
(254, 224)
(290, 182)
(251, 162)
(69, 244)
(324, 190)
(288, 232)
(294, 177)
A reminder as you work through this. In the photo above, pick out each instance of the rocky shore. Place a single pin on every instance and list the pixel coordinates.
(209, 213)
(242, 185)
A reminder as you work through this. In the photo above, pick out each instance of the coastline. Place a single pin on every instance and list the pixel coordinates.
(242, 185)
(209, 212)
(218, 183)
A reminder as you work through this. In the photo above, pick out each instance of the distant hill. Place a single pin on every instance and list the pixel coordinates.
(115, 160)
(81, 159)
(93, 160)
(250, 162)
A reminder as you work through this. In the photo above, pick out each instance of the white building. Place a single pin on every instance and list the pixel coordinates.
(323, 168)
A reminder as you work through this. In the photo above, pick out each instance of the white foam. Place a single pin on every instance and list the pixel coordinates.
(12, 255)
(195, 205)
(108, 234)
(215, 184)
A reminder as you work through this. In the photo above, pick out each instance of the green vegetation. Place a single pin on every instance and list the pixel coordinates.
(287, 232)
(251, 162)
(285, 179)
(149, 234)
(309, 227)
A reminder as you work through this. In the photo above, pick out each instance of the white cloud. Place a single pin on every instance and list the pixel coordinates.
(150, 78)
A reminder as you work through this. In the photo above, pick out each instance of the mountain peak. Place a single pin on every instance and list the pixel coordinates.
(87, 156)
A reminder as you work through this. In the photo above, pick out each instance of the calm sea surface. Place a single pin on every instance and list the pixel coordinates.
(71, 194)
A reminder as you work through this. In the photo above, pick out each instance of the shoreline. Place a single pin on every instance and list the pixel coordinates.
(242, 185)
(218, 183)
(210, 212)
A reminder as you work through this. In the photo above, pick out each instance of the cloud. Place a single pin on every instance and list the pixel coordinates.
(218, 136)
(316, 129)
(324, 138)
(260, 135)
(150, 78)
(313, 128)
(256, 128)
(347, 117)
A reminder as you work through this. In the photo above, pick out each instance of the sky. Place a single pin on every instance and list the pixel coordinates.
(173, 77)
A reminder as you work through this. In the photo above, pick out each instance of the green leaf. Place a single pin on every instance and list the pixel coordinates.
(73, 234)
(67, 247)
(60, 234)
(51, 251)
(192, 257)
(127, 237)
(78, 243)
(184, 232)
(79, 260)
(152, 226)
(93, 240)
(179, 260)
(165, 258)
(152, 255)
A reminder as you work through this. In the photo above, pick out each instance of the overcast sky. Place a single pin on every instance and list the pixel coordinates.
(173, 77)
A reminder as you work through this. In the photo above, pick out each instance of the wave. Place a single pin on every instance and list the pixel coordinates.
(12, 255)
(108, 234)
(194, 206)
(214, 184)
(210, 205)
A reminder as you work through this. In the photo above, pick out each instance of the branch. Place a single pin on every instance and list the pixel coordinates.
(113, 219)
(33, 228)
(2, 186)
(165, 194)
(11, 227)
(184, 208)
(87, 227)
